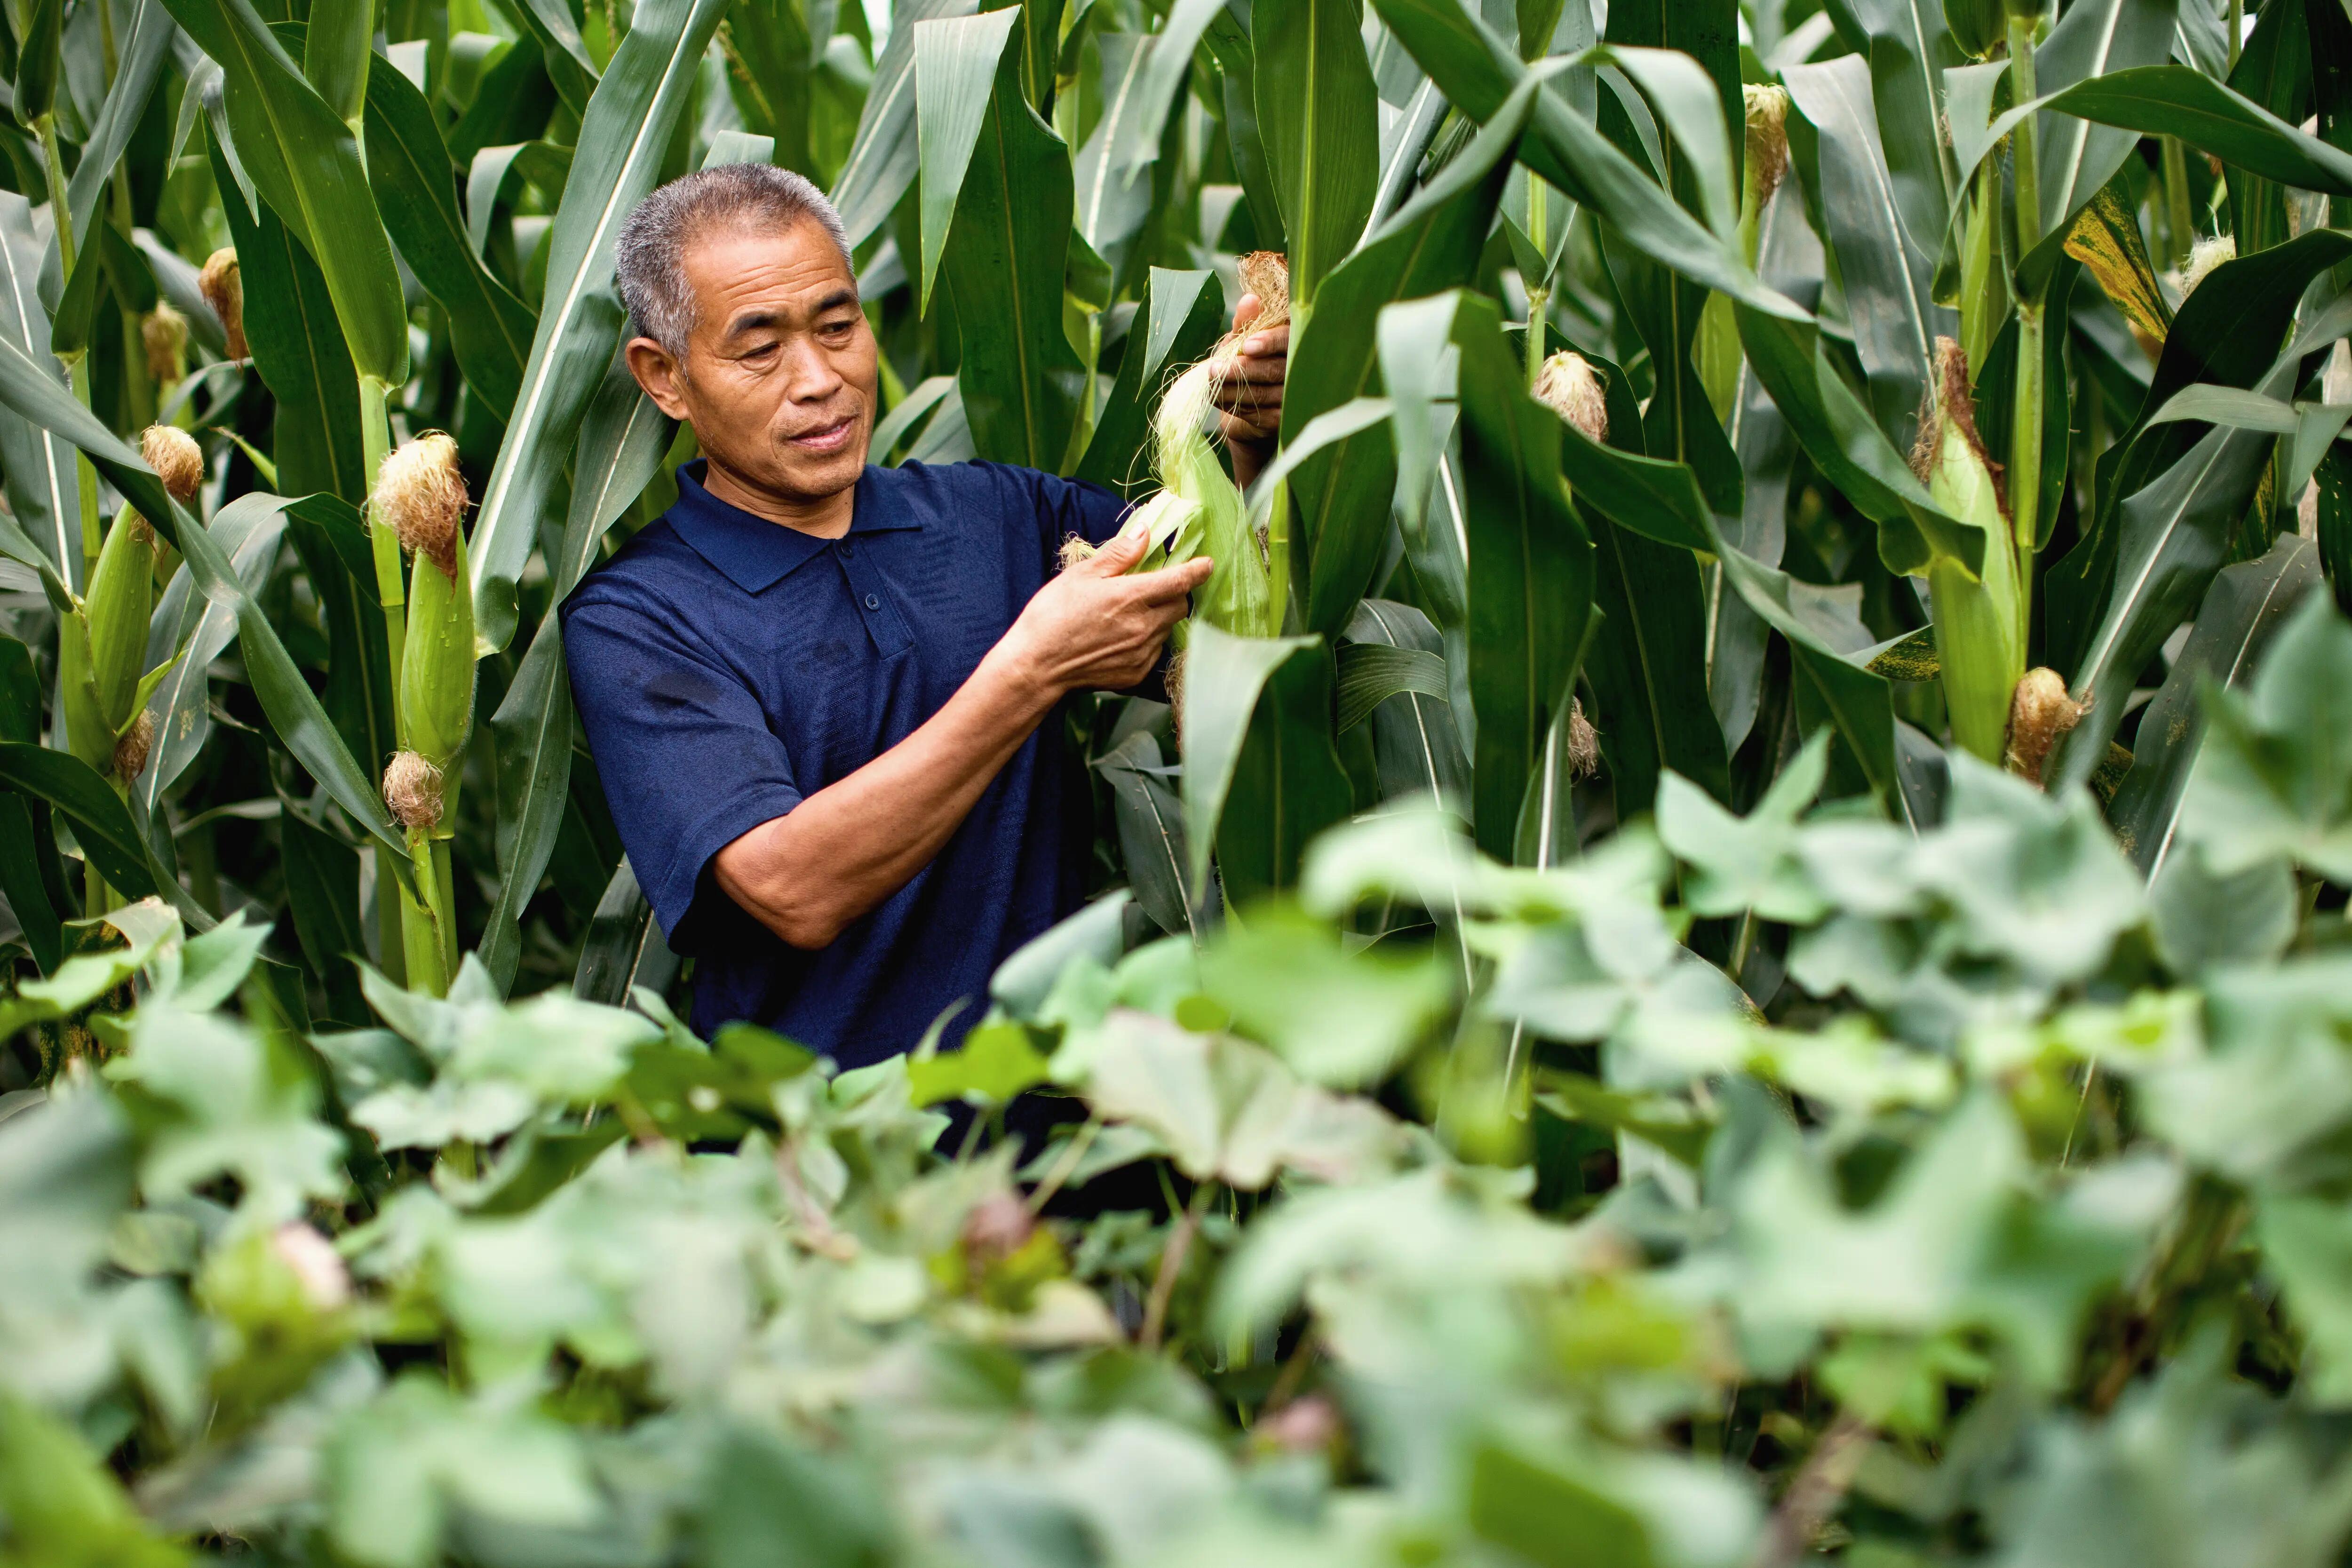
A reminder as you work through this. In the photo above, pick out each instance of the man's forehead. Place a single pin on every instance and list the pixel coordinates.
(795, 269)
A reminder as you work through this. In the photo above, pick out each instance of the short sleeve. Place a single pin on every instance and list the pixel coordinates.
(1067, 507)
(688, 763)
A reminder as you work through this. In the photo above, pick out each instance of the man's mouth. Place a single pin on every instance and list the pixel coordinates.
(826, 437)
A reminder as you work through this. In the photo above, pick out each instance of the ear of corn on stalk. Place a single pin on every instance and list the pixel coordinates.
(421, 496)
(1980, 634)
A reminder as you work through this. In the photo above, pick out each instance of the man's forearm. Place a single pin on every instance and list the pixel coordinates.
(850, 845)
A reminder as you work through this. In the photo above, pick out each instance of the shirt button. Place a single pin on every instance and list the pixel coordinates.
(844, 548)
(873, 601)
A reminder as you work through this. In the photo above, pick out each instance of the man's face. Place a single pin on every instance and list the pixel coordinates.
(779, 372)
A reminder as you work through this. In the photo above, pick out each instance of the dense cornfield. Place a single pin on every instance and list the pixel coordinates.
(1736, 948)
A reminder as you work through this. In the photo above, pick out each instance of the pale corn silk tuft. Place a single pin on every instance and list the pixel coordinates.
(421, 495)
(176, 458)
(411, 790)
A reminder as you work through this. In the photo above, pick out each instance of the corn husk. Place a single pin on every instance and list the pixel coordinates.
(1980, 637)
(435, 699)
(1198, 510)
(119, 604)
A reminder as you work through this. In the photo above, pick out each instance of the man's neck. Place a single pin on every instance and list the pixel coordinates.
(825, 517)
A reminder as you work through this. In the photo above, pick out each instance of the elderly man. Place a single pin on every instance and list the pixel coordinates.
(817, 690)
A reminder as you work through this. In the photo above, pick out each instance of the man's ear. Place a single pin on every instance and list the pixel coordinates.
(660, 375)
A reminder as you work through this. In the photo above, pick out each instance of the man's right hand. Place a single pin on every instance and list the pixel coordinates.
(1093, 627)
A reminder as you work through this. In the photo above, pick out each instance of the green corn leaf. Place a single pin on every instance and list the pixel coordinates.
(1316, 118)
(38, 62)
(1531, 572)
(1112, 206)
(1887, 273)
(323, 896)
(1180, 322)
(619, 161)
(621, 443)
(2242, 611)
(2172, 537)
(306, 164)
(533, 729)
(568, 60)
(1477, 72)
(1371, 673)
(624, 950)
(414, 185)
(1910, 47)
(2227, 333)
(1004, 252)
(138, 69)
(961, 58)
(38, 900)
(1224, 676)
(100, 820)
(1416, 744)
(335, 58)
(1149, 820)
(1287, 782)
(1654, 710)
(187, 624)
(37, 467)
(1340, 498)
(289, 327)
(884, 158)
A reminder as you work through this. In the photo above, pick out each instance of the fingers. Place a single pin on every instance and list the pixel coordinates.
(1114, 558)
(1248, 310)
(1272, 345)
(1172, 584)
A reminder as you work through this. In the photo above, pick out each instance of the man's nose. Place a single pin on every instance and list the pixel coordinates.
(813, 377)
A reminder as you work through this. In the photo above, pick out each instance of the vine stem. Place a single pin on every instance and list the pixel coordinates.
(1172, 1264)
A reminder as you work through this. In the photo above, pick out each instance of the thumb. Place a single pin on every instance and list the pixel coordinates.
(1122, 553)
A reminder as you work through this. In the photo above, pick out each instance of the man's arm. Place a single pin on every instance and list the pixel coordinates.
(809, 873)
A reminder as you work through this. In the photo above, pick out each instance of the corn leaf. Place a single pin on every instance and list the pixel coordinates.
(623, 138)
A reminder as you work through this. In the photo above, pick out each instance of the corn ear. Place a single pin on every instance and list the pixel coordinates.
(120, 602)
(87, 734)
(435, 699)
(1980, 631)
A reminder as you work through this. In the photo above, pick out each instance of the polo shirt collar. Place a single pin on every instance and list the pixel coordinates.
(757, 554)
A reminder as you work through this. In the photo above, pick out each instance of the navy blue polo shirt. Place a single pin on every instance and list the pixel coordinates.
(725, 666)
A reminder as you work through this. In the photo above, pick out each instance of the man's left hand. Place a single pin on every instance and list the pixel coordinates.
(1250, 396)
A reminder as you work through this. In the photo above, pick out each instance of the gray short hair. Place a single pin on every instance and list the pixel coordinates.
(649, 260)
